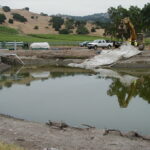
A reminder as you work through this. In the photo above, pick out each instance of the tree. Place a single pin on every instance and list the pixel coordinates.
(69, 24)
(146, 17)
(136, 17)
(6, 8)
(80, 23)
(82, 30)
(2, 18)
(116, 14)
(57, 22)
(19, 17)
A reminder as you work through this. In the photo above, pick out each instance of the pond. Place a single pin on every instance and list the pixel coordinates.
(104, 98)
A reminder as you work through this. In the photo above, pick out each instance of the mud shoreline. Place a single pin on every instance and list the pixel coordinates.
(39, 136)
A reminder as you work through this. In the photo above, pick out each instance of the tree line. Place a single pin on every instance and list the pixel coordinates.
(139, 17)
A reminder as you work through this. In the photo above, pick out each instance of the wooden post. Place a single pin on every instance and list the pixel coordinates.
(15, 46)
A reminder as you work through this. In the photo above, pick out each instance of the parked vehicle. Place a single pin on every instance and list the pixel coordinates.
(100, 43)
(117, 44)
(84, 44)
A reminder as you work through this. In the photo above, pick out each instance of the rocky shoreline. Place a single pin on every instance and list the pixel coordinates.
(60, 136)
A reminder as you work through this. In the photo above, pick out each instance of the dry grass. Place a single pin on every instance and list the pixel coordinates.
(4, 146)
(41, 21)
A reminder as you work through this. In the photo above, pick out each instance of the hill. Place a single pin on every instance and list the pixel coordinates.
(39, 24)
(102, 17)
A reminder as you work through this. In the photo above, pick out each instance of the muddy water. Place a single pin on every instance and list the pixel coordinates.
(106, 99)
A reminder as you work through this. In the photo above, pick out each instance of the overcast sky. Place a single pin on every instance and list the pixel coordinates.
(71, 7)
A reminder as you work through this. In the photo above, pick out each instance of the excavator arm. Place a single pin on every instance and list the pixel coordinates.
(134, 39)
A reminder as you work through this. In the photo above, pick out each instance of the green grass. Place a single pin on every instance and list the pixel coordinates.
(7, 30)
(10, 34)
(65, 37)
(147, 40)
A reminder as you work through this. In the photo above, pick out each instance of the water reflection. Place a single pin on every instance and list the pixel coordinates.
(78, 96)
(124, 94)
(124, 86)
(28, 74)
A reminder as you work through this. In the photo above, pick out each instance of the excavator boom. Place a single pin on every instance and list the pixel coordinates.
(134, 38)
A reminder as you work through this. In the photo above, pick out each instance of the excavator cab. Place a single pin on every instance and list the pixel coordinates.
(140, 41)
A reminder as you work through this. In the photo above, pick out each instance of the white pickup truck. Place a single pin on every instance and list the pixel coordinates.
(100, 43)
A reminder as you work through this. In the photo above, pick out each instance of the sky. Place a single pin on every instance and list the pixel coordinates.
(71, 7)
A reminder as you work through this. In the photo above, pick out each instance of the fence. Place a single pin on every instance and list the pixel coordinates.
(11, 45)
(25, 45)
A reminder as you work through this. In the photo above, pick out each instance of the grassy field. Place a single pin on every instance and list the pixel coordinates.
(9, 147)
(64, 37)
(147, 40)
(9, 34)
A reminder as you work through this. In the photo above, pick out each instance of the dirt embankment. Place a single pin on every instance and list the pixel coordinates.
(53, 57)
(38, 136)
(64, 56)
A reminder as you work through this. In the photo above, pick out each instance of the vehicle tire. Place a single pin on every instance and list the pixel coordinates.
(109, 46)
(89, 47)
(141, 47)
(95, 47)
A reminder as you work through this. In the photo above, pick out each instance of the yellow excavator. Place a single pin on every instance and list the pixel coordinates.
(136, 39)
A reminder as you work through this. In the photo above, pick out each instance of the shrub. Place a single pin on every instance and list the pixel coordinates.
(2, 18)
(82, 30)
(11, 21)
(32, 17)
(64, 31)
(36, 27)
(43, 14)
(19, 17)
(6, 9)
(26, 8)
(93, 29)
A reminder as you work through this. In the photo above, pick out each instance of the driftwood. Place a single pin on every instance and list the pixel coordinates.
(63, 125)
(109, 131)
(86, 125)
(59, 125)
(128, 135)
